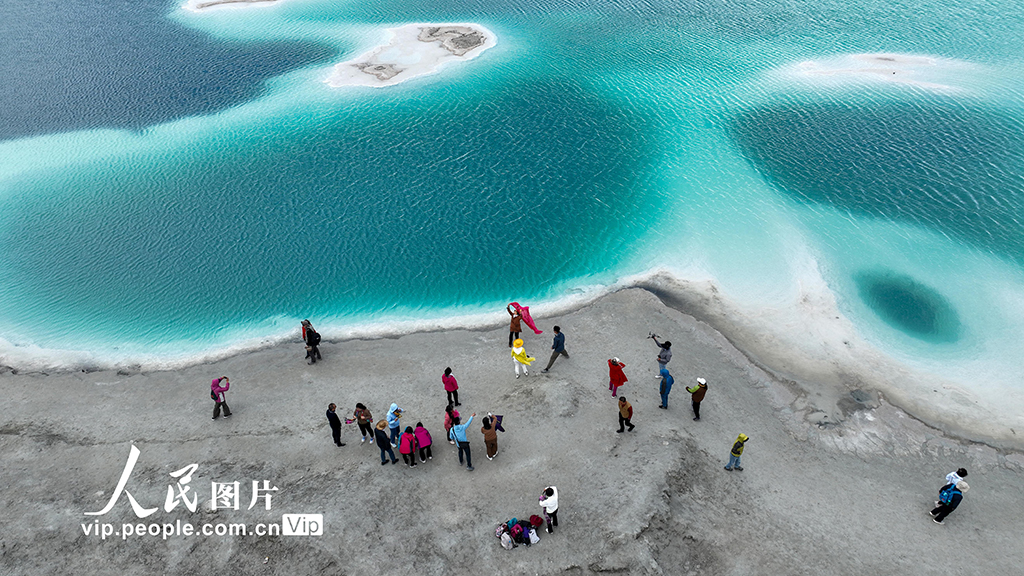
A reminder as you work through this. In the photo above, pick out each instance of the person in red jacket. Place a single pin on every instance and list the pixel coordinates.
(451, 386)
(625, 415)
(407, 446)
(616, 377)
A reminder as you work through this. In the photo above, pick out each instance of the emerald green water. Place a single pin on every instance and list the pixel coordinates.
(596, 141)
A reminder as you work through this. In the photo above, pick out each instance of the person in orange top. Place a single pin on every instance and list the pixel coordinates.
(616, 377)
(625, 415)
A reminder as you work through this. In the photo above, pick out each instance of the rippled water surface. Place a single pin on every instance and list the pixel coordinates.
(173, 183)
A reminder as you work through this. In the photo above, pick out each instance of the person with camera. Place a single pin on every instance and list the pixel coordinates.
(664, 355)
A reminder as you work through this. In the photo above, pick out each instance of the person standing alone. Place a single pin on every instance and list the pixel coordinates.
(312, 339)
(696, 395)
(557, 348)
(217, 394)
(451, 387)
(737, 451)
(335, 422)
(625, 415)
(514, 327)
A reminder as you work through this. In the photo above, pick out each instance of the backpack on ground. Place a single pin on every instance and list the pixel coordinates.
(536, 521)
(533, 536)
(506, 541)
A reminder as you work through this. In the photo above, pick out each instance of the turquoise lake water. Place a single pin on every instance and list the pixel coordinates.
(179, 184)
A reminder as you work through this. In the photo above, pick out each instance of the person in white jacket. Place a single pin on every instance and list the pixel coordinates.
(549, 501)
(954, 477)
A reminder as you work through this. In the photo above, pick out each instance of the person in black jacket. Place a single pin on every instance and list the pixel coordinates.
(335, 422)
(312, 339)
(384, 442)
(955, 493)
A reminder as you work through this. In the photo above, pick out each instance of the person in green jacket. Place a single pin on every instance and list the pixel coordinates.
(737, 451)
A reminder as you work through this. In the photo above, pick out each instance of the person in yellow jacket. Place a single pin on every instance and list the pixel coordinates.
(737, 451)
(519, 357)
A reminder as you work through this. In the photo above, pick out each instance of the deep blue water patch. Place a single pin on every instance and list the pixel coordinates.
(114, 64)
(952, 167)
(909, 306)
(436, 199)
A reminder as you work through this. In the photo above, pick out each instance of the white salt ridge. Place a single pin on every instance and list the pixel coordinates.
(927, 72)
(207, 5)
(412, 51)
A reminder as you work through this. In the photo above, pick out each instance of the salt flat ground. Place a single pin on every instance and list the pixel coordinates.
(848, 494)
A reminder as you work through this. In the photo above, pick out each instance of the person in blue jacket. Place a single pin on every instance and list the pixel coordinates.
(458, 433)
(666, 387)
(394, 415)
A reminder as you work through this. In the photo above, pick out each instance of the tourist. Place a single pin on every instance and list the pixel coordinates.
(696, 395)
(450, 415)
(335, 422)
(514, 327)
(365, 421)
(549, 501)
(408, 447)
(665, 354)
(557, 348)
(625, 415)
(954, 477)
(737, 451)
(312, 339)
(217, 394)
(451, 386)
(665, 388)
(616, 377)
(519, 358)
(384, 443)
(490, 433)
(423, 440)
(458, 433)
(950, 497)
(394, 416)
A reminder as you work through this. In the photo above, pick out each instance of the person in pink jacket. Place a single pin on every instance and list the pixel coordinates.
(451, 386)
(407, 446)
(450, 414)
(217, 393)
(424, 441)
(616, 377)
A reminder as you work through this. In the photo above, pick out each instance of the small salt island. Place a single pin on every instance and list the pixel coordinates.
(202, 5)
(927, 72)
(413, 50)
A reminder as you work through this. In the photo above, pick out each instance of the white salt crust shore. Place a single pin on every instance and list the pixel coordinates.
(412, 51)
(815, 496)
(807, 344)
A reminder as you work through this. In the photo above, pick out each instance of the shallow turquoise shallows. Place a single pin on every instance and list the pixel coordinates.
(194, 185)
